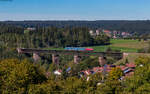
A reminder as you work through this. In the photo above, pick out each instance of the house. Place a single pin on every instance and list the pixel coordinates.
(98, 31)
(31, 28)
(91, 32)
(125, 34)
(115, 34)
(127, 69)
(57, 72)
(107, 32)
(27, 30)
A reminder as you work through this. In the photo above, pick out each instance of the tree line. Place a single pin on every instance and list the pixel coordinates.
(12, 36)
(140, 27)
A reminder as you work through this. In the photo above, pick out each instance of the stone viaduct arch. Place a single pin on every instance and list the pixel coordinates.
(77, 54)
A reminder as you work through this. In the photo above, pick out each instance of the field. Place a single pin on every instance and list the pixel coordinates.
(123, 45)
(118, 44)
(135, 44)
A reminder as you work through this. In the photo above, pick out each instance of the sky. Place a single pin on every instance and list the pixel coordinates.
(74, 10)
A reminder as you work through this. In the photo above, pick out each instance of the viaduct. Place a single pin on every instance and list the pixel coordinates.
(77, 54)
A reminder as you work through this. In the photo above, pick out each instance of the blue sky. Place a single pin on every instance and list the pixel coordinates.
(75, 10)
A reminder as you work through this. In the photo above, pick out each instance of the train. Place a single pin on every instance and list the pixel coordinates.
(78, 49)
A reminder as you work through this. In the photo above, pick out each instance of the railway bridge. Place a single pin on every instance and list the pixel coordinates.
(77, 54)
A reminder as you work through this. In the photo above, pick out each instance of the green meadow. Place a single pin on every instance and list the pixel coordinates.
(122, 45)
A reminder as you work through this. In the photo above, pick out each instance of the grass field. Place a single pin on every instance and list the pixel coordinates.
(118, 44)
(129, 44)
(123, 45)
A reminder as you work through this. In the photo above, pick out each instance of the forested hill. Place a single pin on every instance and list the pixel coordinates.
(141, 26)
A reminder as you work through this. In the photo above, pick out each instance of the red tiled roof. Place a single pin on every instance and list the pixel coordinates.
(123, 67)
(131, 65)
(108, 69)
(106, 31)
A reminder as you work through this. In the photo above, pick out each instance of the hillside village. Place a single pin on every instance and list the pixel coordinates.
(128, 70)
(112, 34)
